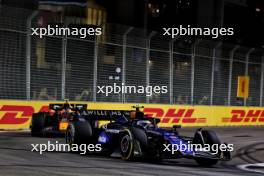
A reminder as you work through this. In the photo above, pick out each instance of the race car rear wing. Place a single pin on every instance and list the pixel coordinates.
(80, 107)
(61, 106)
(95, 113)
(115, 114)
(106, 114)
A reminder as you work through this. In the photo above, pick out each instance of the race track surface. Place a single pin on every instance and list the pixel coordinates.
(17, 159)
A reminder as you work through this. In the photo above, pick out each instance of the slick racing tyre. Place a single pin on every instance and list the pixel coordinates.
(38, 124)
(79, 132)
(149, 150)
(127, 145)
(207, 137)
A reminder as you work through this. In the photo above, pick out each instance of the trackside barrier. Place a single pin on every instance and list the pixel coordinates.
(17, 114)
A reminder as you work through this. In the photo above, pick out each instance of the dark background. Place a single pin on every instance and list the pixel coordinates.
(246, 16)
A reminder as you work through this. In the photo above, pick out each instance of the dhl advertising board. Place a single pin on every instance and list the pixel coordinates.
(17, 114)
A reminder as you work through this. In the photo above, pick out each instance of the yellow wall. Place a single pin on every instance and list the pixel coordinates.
(17, 114)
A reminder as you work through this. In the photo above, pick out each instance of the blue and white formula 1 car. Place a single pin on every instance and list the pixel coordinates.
(134, 136)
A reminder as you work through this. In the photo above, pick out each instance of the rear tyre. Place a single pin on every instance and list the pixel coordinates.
(38, 124)
(77, 133)
(127, 145)
(208, 137)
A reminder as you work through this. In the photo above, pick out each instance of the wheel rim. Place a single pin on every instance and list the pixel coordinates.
(125, 144)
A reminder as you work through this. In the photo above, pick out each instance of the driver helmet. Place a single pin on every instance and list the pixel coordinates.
(144, 123)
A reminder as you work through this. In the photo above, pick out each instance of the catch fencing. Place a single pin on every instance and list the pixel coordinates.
(196, 72)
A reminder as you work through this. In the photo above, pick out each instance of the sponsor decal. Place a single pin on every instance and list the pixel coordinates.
(17, 114)
(14, 114)
(112, 131)
(173, 115)
(107, 112)
(241, 115)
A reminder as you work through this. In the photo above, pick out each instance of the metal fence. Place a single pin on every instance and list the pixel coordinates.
(53, 68)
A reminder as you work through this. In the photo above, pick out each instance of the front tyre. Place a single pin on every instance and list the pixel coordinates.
(127, 145)
(79, 132)
(207, 137)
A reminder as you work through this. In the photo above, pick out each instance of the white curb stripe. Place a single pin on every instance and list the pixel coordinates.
(245, 167)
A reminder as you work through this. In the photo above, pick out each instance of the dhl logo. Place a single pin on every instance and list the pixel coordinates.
(173, 115)
(17, 114)
(14, 114)
(239, 115)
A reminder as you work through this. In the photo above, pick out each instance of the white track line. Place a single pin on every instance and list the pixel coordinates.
(245, 167)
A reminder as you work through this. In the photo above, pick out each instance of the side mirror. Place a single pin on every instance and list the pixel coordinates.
(156, 121)
(175, 127)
